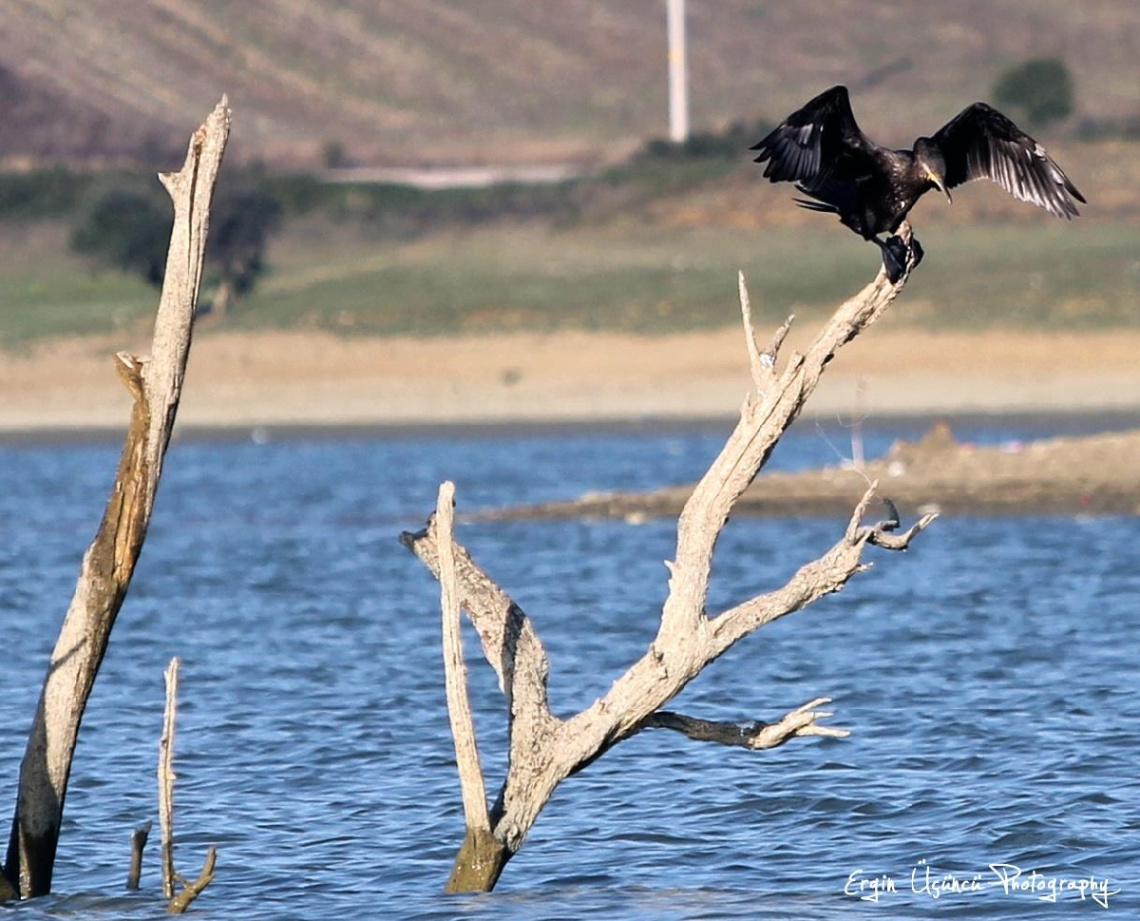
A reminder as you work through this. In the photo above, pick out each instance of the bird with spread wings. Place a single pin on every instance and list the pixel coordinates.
(821, 148)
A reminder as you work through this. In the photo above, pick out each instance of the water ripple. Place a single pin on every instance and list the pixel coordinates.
(989, 678)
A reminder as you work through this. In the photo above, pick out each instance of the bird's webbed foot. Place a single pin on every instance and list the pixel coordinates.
(894, 257)
(896, 252)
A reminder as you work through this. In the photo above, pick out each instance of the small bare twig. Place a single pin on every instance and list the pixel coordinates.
(177, 901)
(191, 891)
(761, 370)
(762, 363)
(166, 779)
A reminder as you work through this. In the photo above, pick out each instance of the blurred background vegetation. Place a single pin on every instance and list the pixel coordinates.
(642, 234)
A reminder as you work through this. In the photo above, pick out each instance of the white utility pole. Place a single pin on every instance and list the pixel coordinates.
(678, 73)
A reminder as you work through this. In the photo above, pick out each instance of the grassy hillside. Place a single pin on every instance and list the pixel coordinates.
(647, 247)
(464, 81)
(646, 279)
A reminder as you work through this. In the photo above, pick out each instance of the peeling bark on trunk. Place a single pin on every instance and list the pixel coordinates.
(105, 574)
(544, 749)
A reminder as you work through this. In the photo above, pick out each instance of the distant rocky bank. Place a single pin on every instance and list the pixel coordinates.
(1094, 475)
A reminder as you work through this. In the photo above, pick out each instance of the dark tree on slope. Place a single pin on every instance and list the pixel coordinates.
(129, 230)
(1040, 89)
(244, 220)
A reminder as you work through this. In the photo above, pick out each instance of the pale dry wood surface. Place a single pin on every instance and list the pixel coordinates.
(155, 385)
(545, 748)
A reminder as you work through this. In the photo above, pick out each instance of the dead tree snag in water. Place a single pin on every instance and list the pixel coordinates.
(139, 838)
(545, 749)
(177, 901)
(155, 385)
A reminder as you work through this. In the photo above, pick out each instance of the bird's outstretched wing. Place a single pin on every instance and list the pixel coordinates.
(819, 143)
(981, 143)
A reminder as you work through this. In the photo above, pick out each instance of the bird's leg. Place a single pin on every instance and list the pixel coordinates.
(902, 245)
(894, 256)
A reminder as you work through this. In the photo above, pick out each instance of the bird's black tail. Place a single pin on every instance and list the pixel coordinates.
(816, 205)
(829, 197)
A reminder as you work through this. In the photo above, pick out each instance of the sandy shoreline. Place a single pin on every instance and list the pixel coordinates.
(302, 379)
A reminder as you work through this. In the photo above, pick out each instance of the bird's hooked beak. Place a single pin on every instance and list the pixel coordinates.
(939, 184)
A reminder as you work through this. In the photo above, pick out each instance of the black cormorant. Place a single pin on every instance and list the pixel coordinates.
(871, 188)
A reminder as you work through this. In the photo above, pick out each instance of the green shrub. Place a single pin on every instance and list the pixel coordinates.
(43, 193)
(129, 231)
(728, 145)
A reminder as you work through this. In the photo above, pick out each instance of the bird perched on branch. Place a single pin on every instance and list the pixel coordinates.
(871, 188)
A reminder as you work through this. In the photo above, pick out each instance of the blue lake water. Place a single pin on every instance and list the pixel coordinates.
(990, 678)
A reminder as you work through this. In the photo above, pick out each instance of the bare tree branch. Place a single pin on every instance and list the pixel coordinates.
(755, 735)
(761, 369)
(455, 671)
(509, 640)
(105, 574)
(177, 902)
(763, 420)
(191, 891)
(761, 363)
(812, 581)
(166, 778)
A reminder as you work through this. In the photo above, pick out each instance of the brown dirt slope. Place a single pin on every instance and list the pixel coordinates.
(451, 81)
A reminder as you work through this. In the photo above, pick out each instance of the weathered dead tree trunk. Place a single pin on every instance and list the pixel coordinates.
(544, 749)
(105, 575)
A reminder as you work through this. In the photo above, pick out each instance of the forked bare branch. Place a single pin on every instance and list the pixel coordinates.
(761, 363)
(544, 750)
(177, 901)
(510, 643)
(191, 890)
